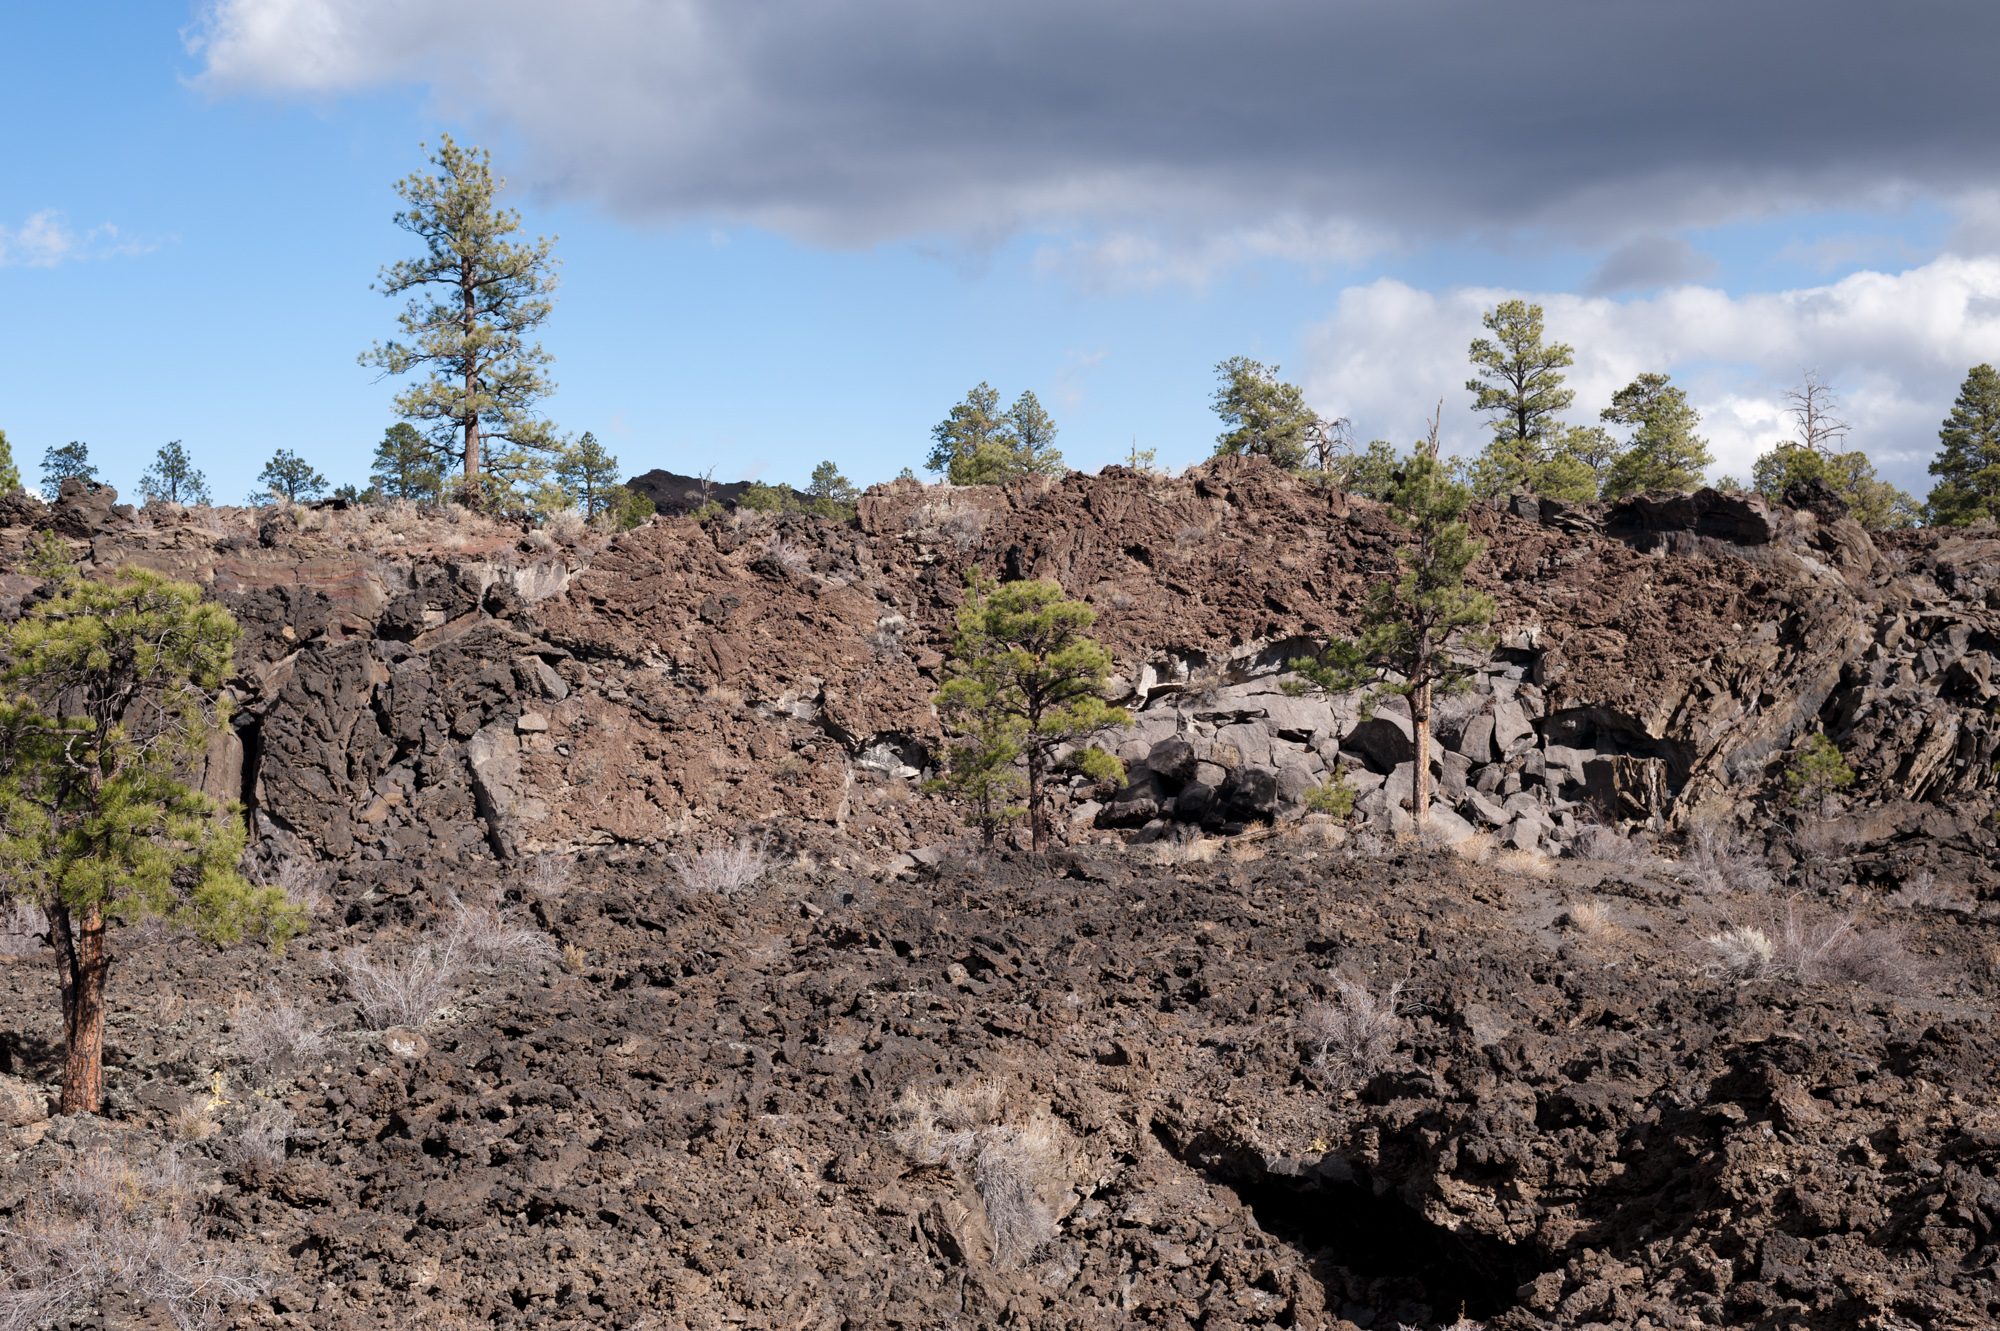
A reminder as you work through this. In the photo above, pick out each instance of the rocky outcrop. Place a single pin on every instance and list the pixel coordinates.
(1660, 660)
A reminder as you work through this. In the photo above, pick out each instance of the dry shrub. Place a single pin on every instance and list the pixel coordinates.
(1716, 859)
(417, 986)
(274, 1035)
(1922, 891)
(566, 525)
(490, 937)
(794, 561)
(549, 875)
(260, 1141)
(413, 988)
(940, 521)
(1353, 1033)
(887, 639)
(1613, 845)
(104, 1223)
(1021, 1166)
(1815, 947)
(724, 871)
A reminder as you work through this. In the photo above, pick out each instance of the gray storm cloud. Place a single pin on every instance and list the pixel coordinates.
(854, 121)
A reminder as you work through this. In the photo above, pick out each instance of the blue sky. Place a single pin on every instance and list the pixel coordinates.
(776, 250)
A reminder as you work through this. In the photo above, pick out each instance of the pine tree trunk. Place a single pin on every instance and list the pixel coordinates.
(469, 322)
(1037, 822)
(82, 968)
(1420, 779)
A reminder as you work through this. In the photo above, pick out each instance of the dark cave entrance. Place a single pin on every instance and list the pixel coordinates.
(1371, 1251)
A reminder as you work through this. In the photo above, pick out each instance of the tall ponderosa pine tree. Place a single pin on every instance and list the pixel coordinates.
(10, 475)
(978, 444)
(112, 691)
(1664, 452)
(173, 477)
(1265, 416)
(1968, 462)
(1025, 680)
(477, 295)
(1519, 383)
(407, 466)
(62, 462)
(1419, 629)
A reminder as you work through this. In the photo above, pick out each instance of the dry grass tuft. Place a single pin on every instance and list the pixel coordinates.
(1022, 1170)
(1592, 919)
(724, 871)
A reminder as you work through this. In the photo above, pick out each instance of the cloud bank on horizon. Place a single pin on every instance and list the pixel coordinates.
(1167, 141)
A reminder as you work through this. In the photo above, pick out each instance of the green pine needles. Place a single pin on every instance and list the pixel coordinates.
(1422, 629)
(475, 295)
(112, 692)
(1024, 685)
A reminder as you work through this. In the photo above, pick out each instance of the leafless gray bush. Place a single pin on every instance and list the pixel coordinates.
(274, 1035)
(107, 1223)
(260, 1141)
(1810, 946)
(1020, 1169)
(788, 557)
(566, 525)
(491, 937)
(725, 870)
(944, 521)
(1614, 846)
(1922, 891)
(1353, 1033)
(549, 875)
(414, 986)
(1716, 859)
(411, 988)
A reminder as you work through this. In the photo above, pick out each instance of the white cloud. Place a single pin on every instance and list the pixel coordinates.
(1894, 346)
(42, 241)
(46, 239)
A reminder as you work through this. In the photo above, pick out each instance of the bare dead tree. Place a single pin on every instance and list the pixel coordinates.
(1328, 439)
(1812, 407)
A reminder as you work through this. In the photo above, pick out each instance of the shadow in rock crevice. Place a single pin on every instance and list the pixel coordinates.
(1369, 1250)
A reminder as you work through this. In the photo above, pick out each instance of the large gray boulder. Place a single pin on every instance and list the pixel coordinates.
(1475, 742)
(1512, 730)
